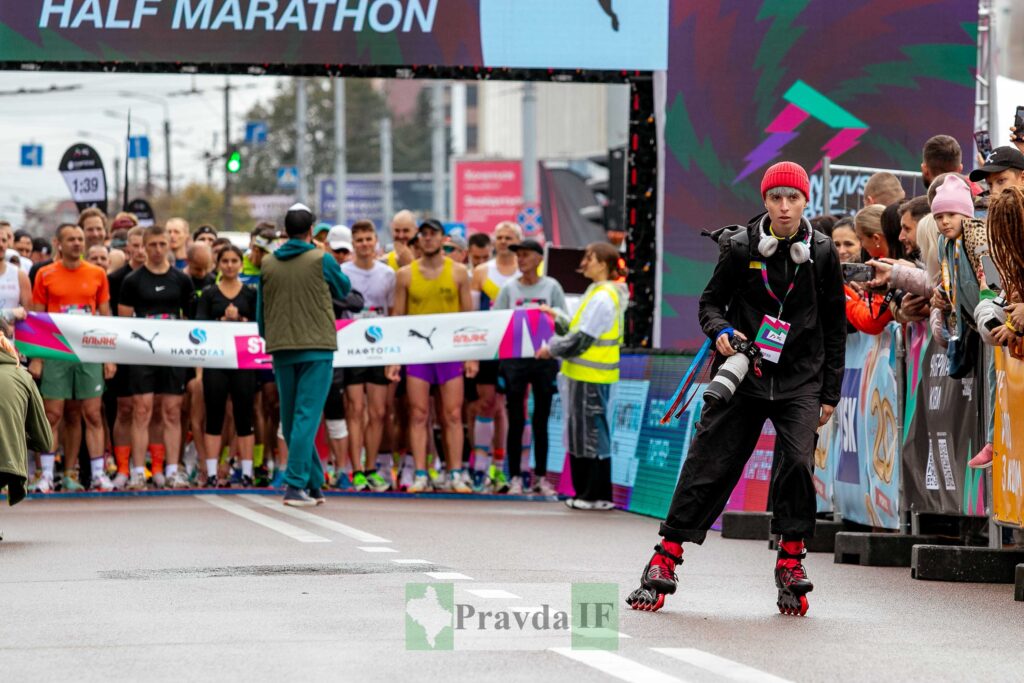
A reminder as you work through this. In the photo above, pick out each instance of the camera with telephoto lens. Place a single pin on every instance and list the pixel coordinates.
(731, 373)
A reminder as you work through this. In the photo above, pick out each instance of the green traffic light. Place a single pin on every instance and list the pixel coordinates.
(234, 164)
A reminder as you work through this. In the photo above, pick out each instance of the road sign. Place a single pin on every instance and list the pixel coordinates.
(31, 155)
(529, 219)
(256, 132)
(288, 177)
(138, 147)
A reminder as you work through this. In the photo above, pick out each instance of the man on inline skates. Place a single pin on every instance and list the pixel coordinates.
(779, 284)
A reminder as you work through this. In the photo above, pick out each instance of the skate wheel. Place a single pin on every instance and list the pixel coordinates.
(803, 605)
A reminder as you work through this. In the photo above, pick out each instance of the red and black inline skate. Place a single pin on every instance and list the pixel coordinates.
(659, 578)
(791, 578)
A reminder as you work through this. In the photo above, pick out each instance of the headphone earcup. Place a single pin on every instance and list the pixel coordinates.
(800, 252)
(767, 246)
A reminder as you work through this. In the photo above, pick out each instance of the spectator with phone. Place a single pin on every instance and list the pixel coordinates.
(866, 311)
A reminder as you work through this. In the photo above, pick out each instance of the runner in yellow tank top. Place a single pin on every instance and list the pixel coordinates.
(433, 284)
(439, 295)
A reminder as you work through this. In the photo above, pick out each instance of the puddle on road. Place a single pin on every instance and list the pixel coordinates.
(335, 569)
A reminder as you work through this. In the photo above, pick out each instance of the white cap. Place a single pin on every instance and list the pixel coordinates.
(340, 237)
(298, 206)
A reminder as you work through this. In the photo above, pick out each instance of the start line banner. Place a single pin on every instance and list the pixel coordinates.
(488, 335)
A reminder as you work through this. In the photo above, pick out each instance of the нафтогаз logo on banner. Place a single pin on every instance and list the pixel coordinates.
(197, 336)
(374, 334)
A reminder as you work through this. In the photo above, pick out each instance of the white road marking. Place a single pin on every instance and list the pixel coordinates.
(377, 549)
(493, 594)
(617, 666)
(410, 561)
(726, 668)
(277, 525)
(274, 503)
(448, 576)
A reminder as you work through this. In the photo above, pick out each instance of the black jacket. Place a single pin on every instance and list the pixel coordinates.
(813, 357)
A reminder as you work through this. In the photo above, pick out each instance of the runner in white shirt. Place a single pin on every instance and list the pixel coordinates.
(366, 388)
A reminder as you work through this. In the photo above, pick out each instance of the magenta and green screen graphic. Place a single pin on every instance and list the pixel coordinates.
(752, 82)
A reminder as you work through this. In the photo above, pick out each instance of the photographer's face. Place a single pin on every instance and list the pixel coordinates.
(785, 210)
(847, 245)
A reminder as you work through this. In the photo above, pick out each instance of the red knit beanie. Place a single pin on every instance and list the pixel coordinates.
(786, 174)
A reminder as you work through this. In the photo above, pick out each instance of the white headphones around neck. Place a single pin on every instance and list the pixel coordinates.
(799, 251)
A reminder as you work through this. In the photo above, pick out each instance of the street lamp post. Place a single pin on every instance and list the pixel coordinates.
(135, 166)
(156, 99)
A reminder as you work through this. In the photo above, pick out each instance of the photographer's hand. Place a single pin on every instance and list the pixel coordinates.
(724, 346)
(826, 414)
(883, 270)
(1002, 335)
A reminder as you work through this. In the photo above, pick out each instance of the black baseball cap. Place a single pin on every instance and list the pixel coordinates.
(204, 230)
(1000, 159)
(528, 245)
(432, 224)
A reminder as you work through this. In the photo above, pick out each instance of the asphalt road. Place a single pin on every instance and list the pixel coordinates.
(232, 587)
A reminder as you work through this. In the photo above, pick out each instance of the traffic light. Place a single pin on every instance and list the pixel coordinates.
(234, 161)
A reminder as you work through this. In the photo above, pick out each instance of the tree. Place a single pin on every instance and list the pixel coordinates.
(412, 141)
(200, 204)
(364, 107)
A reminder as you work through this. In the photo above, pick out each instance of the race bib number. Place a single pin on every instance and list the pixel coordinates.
(771, 338)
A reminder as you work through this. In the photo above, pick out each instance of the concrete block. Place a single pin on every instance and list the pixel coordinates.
(751, 526)
(879, 549)
(973, 565)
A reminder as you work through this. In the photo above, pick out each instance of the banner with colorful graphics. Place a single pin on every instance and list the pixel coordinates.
(485, 335)
(1008, 445)
(942, 431)
(584, 34)
(866, 484)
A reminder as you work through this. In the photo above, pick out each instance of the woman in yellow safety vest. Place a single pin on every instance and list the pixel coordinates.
(589, 350)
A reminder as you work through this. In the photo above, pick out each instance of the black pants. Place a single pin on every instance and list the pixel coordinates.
(518, 376)
(726, 436)
(591, 477)
(217, 386)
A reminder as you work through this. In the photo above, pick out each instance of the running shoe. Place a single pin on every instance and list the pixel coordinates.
(247, 482)
(459, 482)
(377, 483)
(438, 480)
(296, 497)
(480, 482)
(318, 496)
(101, 483)
(515, 486)
(359, 482)
(159, 480)
(71, 484)
(580, 504)
(211, 482)
(543, 487)
(343, 483)
(44, 484)
(179, 480)
(120, 481)
(278, 480)
(499, 484)
(983, 460)
(137, 482)
(419, 484)
(406, 478)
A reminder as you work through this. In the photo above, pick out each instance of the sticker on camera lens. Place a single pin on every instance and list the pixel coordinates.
(771, 338)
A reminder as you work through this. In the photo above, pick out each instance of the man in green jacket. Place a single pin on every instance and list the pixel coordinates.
(23, 422)
(295, 314)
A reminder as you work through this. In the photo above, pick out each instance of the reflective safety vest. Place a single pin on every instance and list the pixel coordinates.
(599, 364)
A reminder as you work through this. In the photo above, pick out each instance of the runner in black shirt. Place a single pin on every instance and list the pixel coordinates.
(232, 301)
(156, 290)
(118, 399)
